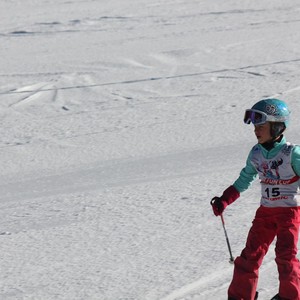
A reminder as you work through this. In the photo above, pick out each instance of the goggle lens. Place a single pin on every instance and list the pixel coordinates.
(254, 117)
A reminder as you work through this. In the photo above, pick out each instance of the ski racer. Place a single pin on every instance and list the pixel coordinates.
(277, 164)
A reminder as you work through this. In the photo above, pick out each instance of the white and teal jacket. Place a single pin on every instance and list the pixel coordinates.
(279, 172)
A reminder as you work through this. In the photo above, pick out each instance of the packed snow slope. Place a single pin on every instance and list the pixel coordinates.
(119, 121)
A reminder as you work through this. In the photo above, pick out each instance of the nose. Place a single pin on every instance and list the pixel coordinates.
(256, 130)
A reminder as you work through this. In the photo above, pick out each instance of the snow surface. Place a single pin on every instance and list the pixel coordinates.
(120, 120)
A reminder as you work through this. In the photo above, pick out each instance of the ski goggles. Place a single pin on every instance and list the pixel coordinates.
(255, 117)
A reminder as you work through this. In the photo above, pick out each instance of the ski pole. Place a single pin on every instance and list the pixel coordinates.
(231, 259)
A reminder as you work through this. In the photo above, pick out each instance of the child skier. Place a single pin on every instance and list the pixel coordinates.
(277, 163)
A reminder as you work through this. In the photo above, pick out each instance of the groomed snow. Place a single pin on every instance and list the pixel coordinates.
(119, 121)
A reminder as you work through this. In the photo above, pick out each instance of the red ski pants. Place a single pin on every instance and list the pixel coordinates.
(280, 222)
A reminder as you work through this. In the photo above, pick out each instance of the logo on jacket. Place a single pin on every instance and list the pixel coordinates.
(270, 169)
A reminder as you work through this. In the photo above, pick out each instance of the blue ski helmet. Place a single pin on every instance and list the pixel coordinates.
(270, 110)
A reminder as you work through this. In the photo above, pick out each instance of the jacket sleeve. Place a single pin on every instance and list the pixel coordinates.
(247, 176)
(296, 159)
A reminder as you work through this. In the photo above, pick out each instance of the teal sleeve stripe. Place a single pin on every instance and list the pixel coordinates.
(247, 176)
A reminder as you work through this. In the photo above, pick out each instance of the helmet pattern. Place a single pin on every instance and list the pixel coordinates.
(271, 109)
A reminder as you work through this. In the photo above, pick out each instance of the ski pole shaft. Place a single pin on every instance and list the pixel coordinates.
(231, 259)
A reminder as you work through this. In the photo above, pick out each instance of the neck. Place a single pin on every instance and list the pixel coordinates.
(271, 144)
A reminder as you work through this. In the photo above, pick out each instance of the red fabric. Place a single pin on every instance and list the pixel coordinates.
(230, 194)
(220, 203)
(283, 222)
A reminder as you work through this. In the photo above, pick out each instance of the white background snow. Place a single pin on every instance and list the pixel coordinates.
(119, 121)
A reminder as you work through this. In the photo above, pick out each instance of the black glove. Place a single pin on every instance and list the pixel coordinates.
(218, 205)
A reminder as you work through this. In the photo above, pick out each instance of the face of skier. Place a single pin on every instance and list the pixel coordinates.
(263, 132)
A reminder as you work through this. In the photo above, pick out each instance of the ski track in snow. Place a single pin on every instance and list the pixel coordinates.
(111, 174)
(134, 81)
(215, 284)
(199, 287)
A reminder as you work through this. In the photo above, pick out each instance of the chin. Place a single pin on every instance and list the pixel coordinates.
(262, 141)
